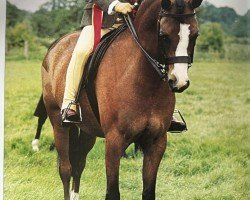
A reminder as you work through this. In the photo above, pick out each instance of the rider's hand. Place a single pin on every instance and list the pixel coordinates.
(123, 8)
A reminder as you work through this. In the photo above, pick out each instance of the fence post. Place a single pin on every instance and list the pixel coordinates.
(26, 49)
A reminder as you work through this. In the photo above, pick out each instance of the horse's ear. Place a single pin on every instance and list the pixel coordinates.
(165, 4)
(196, 3)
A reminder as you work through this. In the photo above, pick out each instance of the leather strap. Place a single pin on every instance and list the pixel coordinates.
(163, 13)
(160, 68)
(178, 59)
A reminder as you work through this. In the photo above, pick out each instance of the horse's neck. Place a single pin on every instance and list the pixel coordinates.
(146, 24)
(146, 27)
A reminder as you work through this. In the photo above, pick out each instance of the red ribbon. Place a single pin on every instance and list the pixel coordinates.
(97, 21)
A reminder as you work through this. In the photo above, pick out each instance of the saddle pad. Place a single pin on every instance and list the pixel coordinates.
(91, 69)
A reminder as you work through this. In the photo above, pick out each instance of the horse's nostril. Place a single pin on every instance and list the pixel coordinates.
(176, 89)
(184, 87)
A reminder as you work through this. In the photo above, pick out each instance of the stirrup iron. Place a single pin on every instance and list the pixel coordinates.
(78, 112)
(182, 120)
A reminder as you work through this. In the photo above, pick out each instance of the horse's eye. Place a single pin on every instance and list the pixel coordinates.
(163, 35)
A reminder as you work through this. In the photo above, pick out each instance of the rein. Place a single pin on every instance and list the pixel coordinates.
(160, 68)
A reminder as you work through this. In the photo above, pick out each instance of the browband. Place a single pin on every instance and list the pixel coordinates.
(163, 13)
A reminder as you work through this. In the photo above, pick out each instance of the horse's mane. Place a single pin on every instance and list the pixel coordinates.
(147, 14)
(146, 4)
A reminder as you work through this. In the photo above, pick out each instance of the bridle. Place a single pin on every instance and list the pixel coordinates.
(161, 36)
(161, 68)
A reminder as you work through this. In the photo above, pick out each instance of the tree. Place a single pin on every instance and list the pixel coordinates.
(14, 15)
(17, 35)
(43, 23)
(225, 16)
(242, 26)
(211, 37)
(57, 17)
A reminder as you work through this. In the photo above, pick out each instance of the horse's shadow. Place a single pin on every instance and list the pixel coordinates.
(130, 153)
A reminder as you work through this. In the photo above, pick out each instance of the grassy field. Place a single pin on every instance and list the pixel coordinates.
(210, 161)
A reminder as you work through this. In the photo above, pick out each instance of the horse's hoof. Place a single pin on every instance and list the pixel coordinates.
(35, 145)
(74, 196)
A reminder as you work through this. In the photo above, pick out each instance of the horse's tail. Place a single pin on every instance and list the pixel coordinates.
(42, 115)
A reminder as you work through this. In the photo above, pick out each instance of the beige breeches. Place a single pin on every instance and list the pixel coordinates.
(83, 49)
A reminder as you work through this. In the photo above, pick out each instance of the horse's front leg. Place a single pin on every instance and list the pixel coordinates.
(114, 147)
(153, 151)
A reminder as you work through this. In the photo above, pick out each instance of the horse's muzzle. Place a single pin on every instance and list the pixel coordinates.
(174, 88)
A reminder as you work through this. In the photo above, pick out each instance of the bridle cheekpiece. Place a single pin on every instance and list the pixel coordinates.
(179, 17)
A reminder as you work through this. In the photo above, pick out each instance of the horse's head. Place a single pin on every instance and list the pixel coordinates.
(178, 30)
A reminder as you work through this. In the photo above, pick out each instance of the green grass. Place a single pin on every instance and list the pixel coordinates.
(210, 161)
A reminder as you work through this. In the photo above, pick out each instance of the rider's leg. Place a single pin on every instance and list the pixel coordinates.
(79, 58)
(83, 48)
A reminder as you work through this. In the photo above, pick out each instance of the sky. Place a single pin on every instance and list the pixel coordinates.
(240, 6)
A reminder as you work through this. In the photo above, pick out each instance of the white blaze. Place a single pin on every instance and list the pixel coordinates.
(180, 69)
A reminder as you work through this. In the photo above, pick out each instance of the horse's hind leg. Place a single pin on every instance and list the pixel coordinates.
(153, 152)
(41, 113)
(40, 122)
(86, 143)
(114, 149)
(61, 135)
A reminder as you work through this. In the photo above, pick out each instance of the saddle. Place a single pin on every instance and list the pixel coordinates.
(91, 69)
